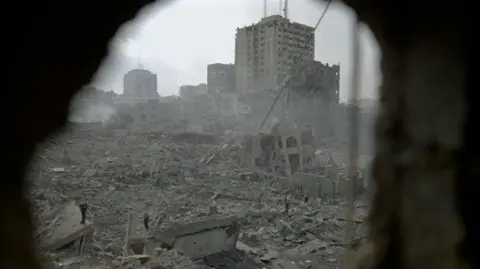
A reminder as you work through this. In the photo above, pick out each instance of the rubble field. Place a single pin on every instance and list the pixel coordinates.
(175, 179)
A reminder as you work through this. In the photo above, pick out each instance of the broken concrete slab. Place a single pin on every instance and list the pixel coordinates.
(270, 255)
(70, 228)
(141, 258)
(284, 264)
(195, 226)
(310, 247)
(137, 243)
(202, 237)
(321, 186)
(244, 247)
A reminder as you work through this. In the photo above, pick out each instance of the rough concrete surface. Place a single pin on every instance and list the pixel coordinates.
(70, 228)
(250, 210)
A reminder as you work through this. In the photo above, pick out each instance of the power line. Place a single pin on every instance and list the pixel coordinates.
(274, 102)
(287, 80)
(323, 14)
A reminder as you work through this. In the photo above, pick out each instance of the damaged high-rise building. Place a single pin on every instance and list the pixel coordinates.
(318, 80)
(314, 86)
(265, 51)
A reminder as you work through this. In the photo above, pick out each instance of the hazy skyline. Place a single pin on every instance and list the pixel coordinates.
(177, 41)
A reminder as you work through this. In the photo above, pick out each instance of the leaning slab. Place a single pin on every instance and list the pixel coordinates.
(202, 237)
(70, 228)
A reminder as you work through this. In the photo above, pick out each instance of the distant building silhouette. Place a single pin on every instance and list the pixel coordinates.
(220, 78)
(139, 86)
(189, 91)
(140, 83)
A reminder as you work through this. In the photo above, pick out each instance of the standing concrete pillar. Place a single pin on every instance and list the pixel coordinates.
(288, 169)
(254, 152)
(300, 153)
(276, 147)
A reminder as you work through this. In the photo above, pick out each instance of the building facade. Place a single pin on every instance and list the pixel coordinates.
(220, 78)
(140, 83)
(319, 80)
(265, 52)
(190, 91)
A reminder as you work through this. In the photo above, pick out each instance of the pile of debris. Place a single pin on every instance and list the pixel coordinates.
(156, 201)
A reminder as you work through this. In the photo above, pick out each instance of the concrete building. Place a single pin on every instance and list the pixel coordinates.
(220, 78)
(139, 86)
(265, 51)
(323, 80)
(190, 91)
(140, 83)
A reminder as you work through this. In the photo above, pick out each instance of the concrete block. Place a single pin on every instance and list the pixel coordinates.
(137, 244)
(199, 245)
(70, 228)
(202, 237)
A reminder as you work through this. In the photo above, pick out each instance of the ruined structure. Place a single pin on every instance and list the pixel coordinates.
(70, 229)
(197, 239)
(265, 50)
(285, 150)
(202, 237)
(220, 78)
(329, 185)
(190, 91)
(317, 81)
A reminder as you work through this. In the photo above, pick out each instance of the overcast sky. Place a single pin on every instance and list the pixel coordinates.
(177, 41)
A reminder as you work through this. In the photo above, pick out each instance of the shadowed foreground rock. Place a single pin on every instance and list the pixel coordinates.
(427, 154)
(425, 160)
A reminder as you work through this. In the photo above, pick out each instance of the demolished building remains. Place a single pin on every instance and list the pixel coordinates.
(195, 186)
(192, 181)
